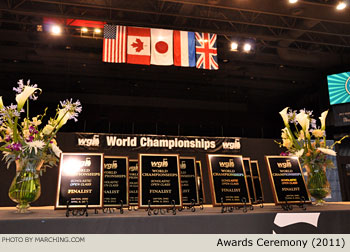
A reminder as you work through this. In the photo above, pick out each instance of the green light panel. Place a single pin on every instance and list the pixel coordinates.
(339, 88)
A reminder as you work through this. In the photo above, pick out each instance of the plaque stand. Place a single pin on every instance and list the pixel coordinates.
(225, 209)
(173, 209)
(261, 202)
(112, 209)
(162, 211)
(191, 207)
(287, 206)
(77, 212)
(303, 205)
(201, 204)
(155, 211)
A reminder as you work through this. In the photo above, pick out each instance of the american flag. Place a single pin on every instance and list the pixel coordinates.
(114, 44)
(206, 51)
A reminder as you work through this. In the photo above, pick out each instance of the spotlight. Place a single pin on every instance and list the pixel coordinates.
(56, 30)
(234, 46)
(341, 5)
(39, 28)
(84, 29)
(247, 47)
(97, 30)
(293, 1)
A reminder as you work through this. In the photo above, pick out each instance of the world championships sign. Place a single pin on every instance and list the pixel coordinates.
(90, 141)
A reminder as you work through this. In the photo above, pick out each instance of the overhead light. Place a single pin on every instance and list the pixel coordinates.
(39, 28)
(56, 30)
(84, 29)
(247, 47)
(234, 46)
(293, 1)
(97, 30)
(341, 5)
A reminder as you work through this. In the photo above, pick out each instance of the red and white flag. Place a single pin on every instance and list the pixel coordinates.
(184, 49)
(114, 44)
(139, 51)
(162, 47)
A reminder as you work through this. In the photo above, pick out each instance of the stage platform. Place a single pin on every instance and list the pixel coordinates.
(329, 218)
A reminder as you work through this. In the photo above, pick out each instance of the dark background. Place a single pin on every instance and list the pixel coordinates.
(294, 48)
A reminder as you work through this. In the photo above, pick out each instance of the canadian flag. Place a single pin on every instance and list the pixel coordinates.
(162, 47)
(139, 51)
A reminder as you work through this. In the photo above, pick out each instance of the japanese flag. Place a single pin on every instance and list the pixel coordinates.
(162, 47)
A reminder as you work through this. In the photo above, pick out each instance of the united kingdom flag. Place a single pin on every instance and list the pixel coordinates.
(206, 51)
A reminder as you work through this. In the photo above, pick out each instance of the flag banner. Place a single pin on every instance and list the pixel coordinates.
(206, 51)
(138, 50)
(162, 47)
(184, 49)
(114, 44)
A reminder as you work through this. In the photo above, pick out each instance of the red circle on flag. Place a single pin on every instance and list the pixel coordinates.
(161, 47)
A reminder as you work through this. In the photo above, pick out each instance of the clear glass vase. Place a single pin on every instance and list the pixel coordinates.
(317, 183)
(25, 187)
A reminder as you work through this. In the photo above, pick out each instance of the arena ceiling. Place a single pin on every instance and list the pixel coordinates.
(294, 48)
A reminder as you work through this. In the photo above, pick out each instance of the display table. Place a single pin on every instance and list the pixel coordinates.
(330, 218)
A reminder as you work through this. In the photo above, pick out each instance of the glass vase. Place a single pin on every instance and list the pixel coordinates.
(25, 187)
(317, 183)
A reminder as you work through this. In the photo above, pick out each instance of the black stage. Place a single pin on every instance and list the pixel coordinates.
(331, 218)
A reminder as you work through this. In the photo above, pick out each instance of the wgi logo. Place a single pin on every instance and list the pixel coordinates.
(113, 165)
(86, 162)
(183, 165)
(94, 141)
(160, 164)
(229, 164)
(236, 145)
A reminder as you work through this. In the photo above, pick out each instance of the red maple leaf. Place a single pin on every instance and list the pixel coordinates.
(138, 45)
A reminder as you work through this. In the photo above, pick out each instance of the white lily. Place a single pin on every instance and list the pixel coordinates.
(327, 151)
(56, 149)
(63, 117)
(23, 97)
(47, 130)
(303, 120)
(1, 103)
(301, 135)
(323, 119)
(284, 115)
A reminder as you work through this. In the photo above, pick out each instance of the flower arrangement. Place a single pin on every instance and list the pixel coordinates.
(28, 138)
(301, 137)
(29, 142)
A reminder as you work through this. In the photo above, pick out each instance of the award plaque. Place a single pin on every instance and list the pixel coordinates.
(159, 181)
(133, 182)
(116, 170)
(248, 173)
(189, 181)
(200, 181)
(259, 194)
(287, 180)
(228, 180)
(80, 181)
